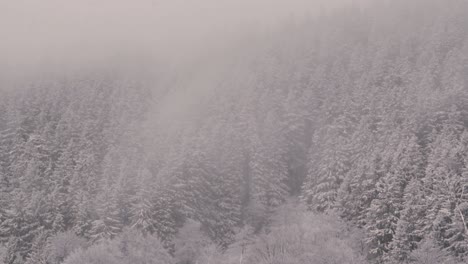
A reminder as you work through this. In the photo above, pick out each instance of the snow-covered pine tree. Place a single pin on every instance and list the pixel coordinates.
(142, 208)
(444, 181)
(108, 224)
(38, 250)
(329, 170)
(412, 226)
(385, 210)
(268, 168)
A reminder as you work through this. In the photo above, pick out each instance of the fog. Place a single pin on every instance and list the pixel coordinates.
(233, 131)
(54, 33)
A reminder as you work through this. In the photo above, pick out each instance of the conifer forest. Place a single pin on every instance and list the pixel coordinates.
(337, 136)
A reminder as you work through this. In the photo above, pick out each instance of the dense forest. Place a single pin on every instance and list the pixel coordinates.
(337, 138)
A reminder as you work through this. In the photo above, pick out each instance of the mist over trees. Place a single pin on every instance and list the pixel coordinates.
(334, 138)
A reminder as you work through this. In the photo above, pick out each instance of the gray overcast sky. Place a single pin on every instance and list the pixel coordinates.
(82, 31)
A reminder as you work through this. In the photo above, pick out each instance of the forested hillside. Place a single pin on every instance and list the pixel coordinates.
(338, 138)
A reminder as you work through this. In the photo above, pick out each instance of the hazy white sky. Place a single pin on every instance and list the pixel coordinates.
(84, 31)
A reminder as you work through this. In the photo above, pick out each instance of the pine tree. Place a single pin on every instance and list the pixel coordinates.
(38, 254)
(268, 166)
(412, 225)
(445, 185)
(142, 208)
(357, 190)
(61, 197)
(385, 210)
(81, 214)
(125, 188)
(328, 171)
(297, 127)
(21, 227)
(12, 255)
(164, 216)
(108, 224)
